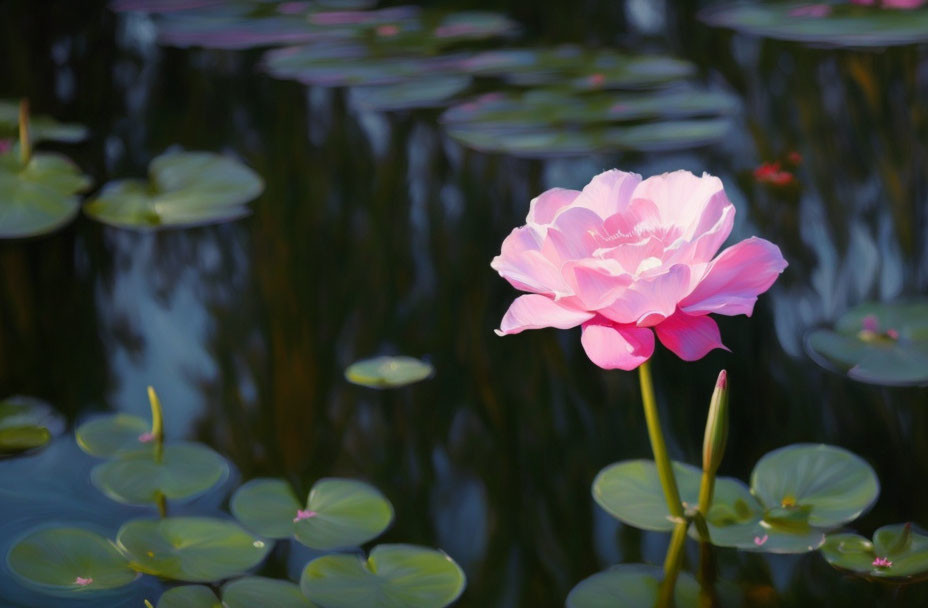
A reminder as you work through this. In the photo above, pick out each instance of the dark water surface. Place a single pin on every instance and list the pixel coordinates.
(375, 235)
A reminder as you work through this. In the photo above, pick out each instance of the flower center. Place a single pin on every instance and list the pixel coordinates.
(647, 264)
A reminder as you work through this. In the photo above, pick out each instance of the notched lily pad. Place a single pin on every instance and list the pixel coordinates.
(388, 372)
(428, 92)
(189, 596)
(338, 513)
(185, 189)
(393, 576)
(106, 436)
(194, 549)
(247, 592)
(41, 128)
(877, 343)
(630, 586)
(26, 423)
(897, 553)
(69, 560)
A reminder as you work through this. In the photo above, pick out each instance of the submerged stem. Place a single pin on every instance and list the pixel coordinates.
(25, 145)
(157, 423)
(658, 446)
(162, 505)
(672, 563)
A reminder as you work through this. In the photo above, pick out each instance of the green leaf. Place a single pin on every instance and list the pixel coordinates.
(630, 586)
(41, 128)
(185, 470)
(427, 92)
(39, 197)
(195, 549)
(185, 189)
(836, 485)
(339, 512)
(905, 549)
(394, 576)
(255, 591)
(107, 436)
(69, 560)
(388, 372)
(26, 423)
(189, 596)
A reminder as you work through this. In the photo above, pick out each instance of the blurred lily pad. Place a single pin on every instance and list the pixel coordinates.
(830, 24)
(393, 576)
(27, 423)
(897, 553)
(388, 372)
(189, 596)
(428, 92)
(247, 592)
(338, 513)
(630, 586)
(69, 560)
(877, 343)
(161, 6)
(195, 549)
(185, 189)
(38, 197)
(41, 128)
(136, 477)
(106, 436)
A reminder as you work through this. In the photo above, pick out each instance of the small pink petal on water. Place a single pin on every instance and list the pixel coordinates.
(870, 323)
(597, 80)
(303, 514)
(387, 30)
(892, 333)
(882, 562)
(83, 582)
(147, 437)
(760, 540)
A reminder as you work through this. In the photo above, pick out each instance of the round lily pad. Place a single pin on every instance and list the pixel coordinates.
(161, 6)
(259, 591)
(107, 436)
(236, 32)
(26, 423)
(877, 343)
(189, 596)
(388, 372)
(69, 560)
(630, 586)
(897, 553)
(41, 128)
(832, 24)
(393, 576)
(40, 196)
(195, 549)
(136, 477)
(338, 513)
(185, 189)
(428, 92)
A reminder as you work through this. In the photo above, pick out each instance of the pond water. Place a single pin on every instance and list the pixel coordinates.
(374, 236)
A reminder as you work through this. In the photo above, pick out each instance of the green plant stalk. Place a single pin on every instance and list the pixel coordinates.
(25, 145)
(658, 446)
(706, 490)
(157, 423)
(673, 561)
(162, 502)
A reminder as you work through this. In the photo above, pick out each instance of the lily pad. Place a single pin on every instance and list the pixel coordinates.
(897, 553)
(185, 189)
(388, 372)
(189, 596)
(26, 423)
(136, 477)
(40, 196)
(630, 586)
(836, 24)
(427, 92)
(338, 513)
(247, 592)
(69, 560)
(195, 549)
(877, 343)
(41, 128)
(393, 576)
(106, 436)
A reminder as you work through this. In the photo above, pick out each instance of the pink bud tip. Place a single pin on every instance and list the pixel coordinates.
(147, 437)
(892, 333)
(83, 582)
(760, 540)
(722, 382)
(882, 562)
(870, 323)
(301, 515)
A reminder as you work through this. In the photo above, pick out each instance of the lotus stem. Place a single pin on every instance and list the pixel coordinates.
(162, 502)
(25, 145)
(672, 563)
(658, 445)
(157, 423)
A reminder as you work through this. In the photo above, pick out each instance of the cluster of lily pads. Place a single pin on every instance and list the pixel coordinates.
(213, 557)
(572, 101)
(40, 192)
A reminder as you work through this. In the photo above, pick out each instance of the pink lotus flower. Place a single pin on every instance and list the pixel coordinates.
(626, 258)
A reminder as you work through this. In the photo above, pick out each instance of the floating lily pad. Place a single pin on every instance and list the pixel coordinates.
(136, 477)
(26, 423)
(259, 591)
(877, 343)
(185, 189)
(237, 32)
(630, 586)
(388, 372)
(161, 6)
(189, 596)
(819, 23)
(338, 513)
(428, 92)
(897, 553)
(106, 436)
(195, 549)
(393, 576)
(41, 128)
(39, 197)
(69, 560)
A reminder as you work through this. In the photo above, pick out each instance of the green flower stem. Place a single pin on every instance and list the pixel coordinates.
(162, 505)
(25, 145)
(157, 423)
(672, 563)
(706, 489)
(658, 446)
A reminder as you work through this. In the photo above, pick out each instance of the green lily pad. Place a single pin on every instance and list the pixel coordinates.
(877, 343)
(428, 92)
(39, 197)
(897, 553)
(195, 549)
(393, 576)
(41, 128)
(185, 470)
(630, 586)
(338, 513)
(26, 423)
(259, 591)
(189, 596)
(388, 372)
(840, 25)
(69, 560)
(106, 436)
(185, 189)
(161, 6)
